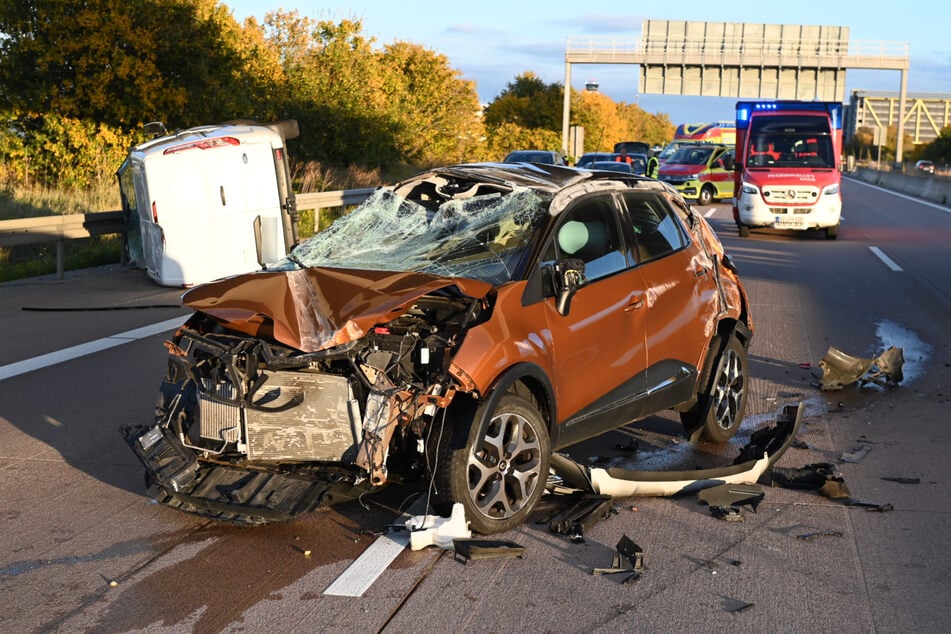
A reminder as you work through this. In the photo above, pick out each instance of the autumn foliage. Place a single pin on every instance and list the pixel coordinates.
(79, 80)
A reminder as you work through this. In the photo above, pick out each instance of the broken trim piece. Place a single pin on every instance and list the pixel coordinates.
(770, 443)
(840, 368)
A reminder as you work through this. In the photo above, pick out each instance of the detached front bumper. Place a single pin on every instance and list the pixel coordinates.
(224, 492)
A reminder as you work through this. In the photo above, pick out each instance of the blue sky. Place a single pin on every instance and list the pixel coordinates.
(493, 41)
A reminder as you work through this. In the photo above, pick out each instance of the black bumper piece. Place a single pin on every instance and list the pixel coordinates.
(222, 492)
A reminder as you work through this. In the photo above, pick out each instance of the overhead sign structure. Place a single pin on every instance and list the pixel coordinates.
(727, 59)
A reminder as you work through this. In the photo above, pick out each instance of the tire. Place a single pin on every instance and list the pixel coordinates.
(706, 195)
(496, 465)
(721, 404)
(832, 232)
(744, 231)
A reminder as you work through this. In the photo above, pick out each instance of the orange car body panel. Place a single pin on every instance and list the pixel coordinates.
(318, 308)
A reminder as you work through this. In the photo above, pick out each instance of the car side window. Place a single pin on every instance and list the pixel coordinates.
(589, 232)
(657, 231)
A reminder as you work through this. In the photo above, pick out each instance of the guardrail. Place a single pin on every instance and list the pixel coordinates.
(58, 229)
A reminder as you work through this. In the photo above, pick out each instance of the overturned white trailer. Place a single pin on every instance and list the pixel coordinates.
(209, 201)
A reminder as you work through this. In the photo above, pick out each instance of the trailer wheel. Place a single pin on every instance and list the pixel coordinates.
(832, 232)
(744, 230)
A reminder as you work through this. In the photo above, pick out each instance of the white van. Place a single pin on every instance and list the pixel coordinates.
(209, 202)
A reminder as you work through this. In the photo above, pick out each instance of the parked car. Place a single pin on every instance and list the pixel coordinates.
(633, 147)
(638, 165)
(672, 147)
(457, 327)
(925, 166)
(545, 157)
(703, 172)
(590, 157)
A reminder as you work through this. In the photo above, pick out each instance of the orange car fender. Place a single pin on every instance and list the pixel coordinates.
(516, 334)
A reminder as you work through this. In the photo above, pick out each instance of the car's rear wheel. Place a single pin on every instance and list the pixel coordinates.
(744, 230)
(832, 232)
(497, 465)
(706, 195)
(721, 404)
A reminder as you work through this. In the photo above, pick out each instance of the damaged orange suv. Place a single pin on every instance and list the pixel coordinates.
(457, 327)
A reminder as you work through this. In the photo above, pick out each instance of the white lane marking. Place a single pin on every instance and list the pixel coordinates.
(890, 263)
(900, 195)
(361, 574)
(709, 213)
(365, 569)
(67, 354)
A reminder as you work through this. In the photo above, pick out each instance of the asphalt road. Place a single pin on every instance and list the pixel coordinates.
(82, 548)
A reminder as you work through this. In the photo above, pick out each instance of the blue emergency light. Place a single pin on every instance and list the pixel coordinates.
(744, 110)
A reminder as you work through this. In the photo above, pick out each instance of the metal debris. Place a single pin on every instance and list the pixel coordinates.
(902, 480)
(473, 549)
(840, 369)
(816, 534)
(810, 476)
(727, 513)
(628, 558)
(725, 500)
(819, 475)
(856, 454)
(877, 507)
(579, 513)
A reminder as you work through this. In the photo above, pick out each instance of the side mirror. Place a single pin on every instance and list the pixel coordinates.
(567, 276)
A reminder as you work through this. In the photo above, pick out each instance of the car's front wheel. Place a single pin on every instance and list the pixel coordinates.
(721, 404)
(497, 464)
(707, 195)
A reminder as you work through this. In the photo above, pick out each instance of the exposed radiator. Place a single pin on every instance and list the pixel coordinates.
(319, 427)
(219, 421)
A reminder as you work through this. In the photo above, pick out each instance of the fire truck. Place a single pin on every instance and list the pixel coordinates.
(788, 166)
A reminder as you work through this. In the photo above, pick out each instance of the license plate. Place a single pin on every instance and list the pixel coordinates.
(788, 222)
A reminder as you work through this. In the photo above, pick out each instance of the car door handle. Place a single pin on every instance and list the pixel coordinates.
(701, 271)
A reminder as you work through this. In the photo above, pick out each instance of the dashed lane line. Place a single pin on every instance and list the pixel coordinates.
(83, 349)
(890, 263)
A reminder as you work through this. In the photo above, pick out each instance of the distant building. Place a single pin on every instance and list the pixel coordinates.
(925, 113)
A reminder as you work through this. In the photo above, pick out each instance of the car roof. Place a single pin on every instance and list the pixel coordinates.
(541, 177)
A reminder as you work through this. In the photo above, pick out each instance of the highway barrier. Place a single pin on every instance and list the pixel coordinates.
(928, 186)
(58, 229)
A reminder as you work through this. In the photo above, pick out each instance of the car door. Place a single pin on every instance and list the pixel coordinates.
(725, 166)
(720, 173)
(680, 298)
(598, 346)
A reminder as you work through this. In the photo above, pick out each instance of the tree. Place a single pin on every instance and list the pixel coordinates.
(599, 116)
(529, 103)
(939, 150)
(357, 104)
(136, 61)
(508, 136)
(434, 112)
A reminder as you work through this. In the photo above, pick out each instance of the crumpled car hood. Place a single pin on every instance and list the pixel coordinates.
(317, 308)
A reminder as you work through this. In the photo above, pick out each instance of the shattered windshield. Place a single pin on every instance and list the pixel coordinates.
(481, 233)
